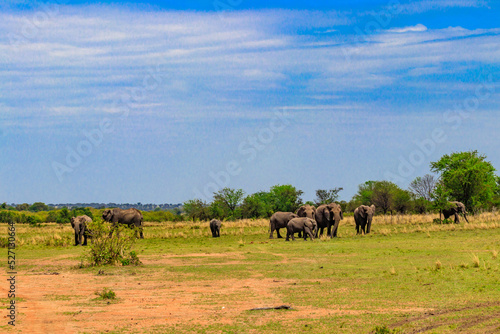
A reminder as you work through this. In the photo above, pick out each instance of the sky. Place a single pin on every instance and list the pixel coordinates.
(162, 102)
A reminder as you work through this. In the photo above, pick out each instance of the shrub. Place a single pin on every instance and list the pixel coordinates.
(109, 246)
(442, 221)
(106, 293)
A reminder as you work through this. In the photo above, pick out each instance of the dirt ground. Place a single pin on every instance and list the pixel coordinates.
(65, 301)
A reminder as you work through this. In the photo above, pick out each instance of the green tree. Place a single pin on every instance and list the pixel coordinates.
(441, 197)
(468, 178)
(257, 205)
(324, 196)
(22, 207)
(383, 195)
(285, 198)
(401, 200)
(64, 216)
(38, 206)
(196, 209)
(364, 194)
(227, 200)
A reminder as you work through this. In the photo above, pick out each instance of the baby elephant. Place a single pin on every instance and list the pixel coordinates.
(79, 224)
(215, 225)
(302, 224)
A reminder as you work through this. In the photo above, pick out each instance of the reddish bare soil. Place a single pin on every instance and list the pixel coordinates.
(65, 301)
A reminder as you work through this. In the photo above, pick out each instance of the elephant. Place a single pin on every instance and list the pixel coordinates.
(300, 224)
(329, 216)
(79, 224)
(453, 210)
(215, 225)
(306, 211)
(279, 220)
(131, 217)
(363, 215)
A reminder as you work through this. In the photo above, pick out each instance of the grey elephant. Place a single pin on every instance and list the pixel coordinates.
(79, 224)
(215, 225)
(328, 216)
(454, 208)
(130, 217)
(363, 216)
(280, 220)
(300, 224)
(308, 211)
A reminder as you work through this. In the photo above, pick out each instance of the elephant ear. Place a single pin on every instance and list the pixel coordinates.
(300, 211)
(362, 211)
(373, 208)
(73, 222)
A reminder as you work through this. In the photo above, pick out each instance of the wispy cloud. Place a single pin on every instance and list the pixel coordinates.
(250, 60)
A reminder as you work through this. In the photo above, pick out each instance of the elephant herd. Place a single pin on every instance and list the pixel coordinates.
(130, 217)
(308, 220)
(312, 221)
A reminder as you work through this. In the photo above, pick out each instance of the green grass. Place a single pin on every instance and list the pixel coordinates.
(406, 276)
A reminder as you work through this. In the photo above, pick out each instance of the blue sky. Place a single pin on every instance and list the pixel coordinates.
(163, 102)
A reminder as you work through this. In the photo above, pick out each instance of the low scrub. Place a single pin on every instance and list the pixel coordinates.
(111, 246)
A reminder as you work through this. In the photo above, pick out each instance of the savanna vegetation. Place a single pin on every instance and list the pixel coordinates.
(413, 273)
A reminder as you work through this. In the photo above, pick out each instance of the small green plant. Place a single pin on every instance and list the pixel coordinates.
(132, 259)
(106, 293)
(386, 330)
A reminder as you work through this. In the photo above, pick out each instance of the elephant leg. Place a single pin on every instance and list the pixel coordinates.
(335, 228)
(278, 233)
(300, 234)
(457, 220)
(76, 239)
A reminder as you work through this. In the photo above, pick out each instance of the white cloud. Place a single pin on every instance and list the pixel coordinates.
(417, 28)
(251, 59)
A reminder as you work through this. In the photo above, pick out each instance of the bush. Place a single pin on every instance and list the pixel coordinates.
(106, 293)
(109, 246)
(443, 221)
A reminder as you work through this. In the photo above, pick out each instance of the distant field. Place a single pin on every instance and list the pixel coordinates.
(407, 276)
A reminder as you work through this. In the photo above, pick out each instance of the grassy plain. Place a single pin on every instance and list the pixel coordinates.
(408, 276)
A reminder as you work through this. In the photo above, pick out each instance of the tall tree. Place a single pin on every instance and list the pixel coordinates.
(229, 199)
(423, 187)
(324, 196)
(468, 178)
(285, 198)
(364, 194)
(196, 209)
(257, 205)
(383, 195)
